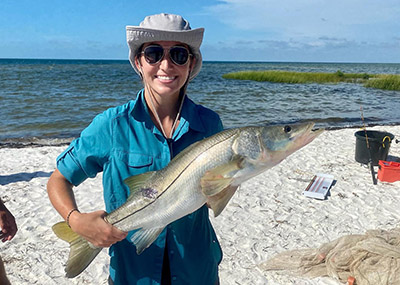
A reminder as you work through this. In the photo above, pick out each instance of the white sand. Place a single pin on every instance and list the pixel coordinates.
(266, 216)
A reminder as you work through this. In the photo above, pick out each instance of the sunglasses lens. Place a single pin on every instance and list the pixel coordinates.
(153, 54)
(179, 55)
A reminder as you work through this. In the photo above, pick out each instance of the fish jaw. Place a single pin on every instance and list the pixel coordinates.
(307, 136)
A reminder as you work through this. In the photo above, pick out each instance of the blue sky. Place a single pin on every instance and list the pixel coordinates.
(235, 30)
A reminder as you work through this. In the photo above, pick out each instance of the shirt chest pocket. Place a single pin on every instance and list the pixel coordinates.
(134, 163)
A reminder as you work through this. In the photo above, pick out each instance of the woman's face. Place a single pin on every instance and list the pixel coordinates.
(164, 77)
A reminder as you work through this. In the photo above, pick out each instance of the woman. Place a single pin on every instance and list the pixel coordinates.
(143, 135)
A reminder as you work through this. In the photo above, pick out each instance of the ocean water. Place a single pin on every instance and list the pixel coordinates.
(53, 100)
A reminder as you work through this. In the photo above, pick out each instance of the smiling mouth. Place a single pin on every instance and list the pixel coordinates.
(166, 77)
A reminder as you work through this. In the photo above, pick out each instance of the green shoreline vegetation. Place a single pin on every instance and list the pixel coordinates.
(379, 81)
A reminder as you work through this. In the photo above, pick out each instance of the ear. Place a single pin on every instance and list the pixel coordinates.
(137, 63)
(139, 66)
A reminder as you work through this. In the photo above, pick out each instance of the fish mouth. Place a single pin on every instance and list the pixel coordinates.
(311, 133)
(317, 132)
(306, 134)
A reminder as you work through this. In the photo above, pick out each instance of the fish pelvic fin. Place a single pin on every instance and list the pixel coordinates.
(218, 202)
(143, 238)
(81, 252)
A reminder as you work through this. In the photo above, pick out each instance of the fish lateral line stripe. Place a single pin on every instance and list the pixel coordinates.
(173, 181)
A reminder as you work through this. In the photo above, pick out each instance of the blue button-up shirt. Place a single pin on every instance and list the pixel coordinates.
(122, 142)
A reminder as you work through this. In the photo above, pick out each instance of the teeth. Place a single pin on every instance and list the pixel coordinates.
(166, 77)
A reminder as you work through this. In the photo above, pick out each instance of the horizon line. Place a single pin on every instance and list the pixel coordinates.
(222, 61)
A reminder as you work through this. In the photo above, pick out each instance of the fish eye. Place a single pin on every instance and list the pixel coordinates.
(287, 129)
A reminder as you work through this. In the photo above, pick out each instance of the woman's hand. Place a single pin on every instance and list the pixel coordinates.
(95, 229)
(91, 226)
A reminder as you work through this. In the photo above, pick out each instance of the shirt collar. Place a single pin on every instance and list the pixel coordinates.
(189, 113)
(140, 111)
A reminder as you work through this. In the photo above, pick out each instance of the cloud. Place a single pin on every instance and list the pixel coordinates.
(302, 19)
(323, 49)
(307, 30)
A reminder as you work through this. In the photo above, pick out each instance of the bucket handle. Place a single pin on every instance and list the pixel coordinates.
(383, 140)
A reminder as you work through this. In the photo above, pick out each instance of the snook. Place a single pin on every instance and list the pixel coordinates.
(208, 171)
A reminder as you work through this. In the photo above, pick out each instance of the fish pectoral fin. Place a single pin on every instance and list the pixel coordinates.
(212, 187)
(143, 238)
(218, 202)
(81, 252)
(217, 179)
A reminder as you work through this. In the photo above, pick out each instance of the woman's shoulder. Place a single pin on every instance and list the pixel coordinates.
(114, 112)
(210, 119)
(118, 110)
(205, 112)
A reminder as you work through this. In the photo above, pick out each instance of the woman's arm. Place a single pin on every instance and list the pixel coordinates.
(91, 225)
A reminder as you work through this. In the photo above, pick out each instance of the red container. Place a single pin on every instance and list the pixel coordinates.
(389, 171)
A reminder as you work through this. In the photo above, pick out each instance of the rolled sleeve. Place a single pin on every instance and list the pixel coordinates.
(68, 165)
(86, 156)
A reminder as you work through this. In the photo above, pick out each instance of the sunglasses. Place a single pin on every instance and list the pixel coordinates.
(155, 53)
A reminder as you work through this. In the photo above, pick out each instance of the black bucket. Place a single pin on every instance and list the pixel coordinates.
(379, 144)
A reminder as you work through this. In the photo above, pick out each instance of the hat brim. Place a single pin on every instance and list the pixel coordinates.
(137, 36)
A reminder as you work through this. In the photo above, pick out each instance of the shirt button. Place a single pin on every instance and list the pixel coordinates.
(171, 252)
(173, 278)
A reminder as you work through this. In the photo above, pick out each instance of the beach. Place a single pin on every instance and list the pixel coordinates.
(268, 214)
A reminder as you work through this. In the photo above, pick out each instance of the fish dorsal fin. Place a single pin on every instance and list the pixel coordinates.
(220, 177)
(143, 238)
(137, 183)
(218, 202)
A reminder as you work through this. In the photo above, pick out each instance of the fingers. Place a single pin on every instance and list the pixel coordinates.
(96, 230)
(110, 236)
(116, 233)
(3, 236)
(7, 233)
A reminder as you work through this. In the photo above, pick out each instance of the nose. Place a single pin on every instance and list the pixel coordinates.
(166, 61)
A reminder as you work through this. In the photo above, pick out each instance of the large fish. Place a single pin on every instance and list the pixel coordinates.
(208, 171)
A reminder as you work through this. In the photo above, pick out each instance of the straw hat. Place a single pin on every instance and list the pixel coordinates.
(165, 27)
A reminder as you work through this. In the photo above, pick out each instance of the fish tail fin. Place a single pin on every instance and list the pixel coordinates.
(81, 252)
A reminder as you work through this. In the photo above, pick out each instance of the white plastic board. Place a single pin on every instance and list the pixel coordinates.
(319, 186)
